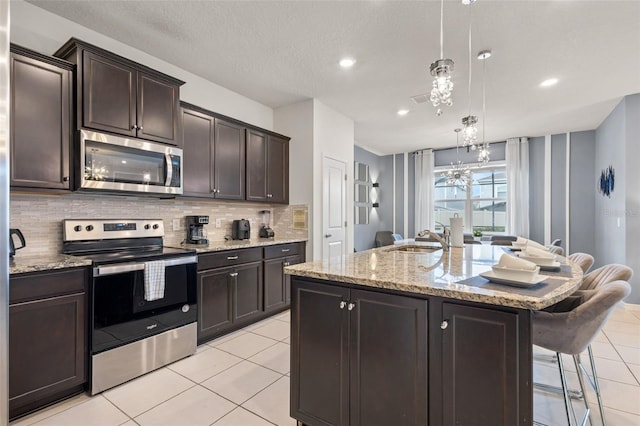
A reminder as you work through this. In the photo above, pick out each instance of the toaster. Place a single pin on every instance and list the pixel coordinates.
(240, 229)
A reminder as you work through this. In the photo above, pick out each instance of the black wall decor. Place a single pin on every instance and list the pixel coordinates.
(607, 181)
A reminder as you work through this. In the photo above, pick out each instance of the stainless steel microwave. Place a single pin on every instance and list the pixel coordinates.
(115, 163)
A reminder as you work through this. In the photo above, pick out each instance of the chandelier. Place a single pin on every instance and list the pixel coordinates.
(441, 70)
(458, 174)
(469, 129)
(483, 154)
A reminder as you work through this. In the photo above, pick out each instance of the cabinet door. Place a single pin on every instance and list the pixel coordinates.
(256, 166)
(157, 109)
(274, 289)
(248, 293)
(46, 350)
(485, 358)
(229, 160)
(40, 123)
(109, 95)
(290, 260)
(319, 353)
(197, 131)
(388, 330)
(215, 307)
(277, 170)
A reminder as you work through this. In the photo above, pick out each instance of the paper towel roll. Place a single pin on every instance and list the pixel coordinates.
(457, 231)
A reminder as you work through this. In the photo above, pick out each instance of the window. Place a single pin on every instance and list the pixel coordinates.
(482, 202)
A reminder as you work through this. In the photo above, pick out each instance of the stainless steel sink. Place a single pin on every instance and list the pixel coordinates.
(416, 249)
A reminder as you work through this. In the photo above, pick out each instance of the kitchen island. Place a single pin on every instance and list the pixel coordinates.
(404, 336)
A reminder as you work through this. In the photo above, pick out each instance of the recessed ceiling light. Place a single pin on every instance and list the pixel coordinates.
(549, 82)
(347, 62)
(403, 111)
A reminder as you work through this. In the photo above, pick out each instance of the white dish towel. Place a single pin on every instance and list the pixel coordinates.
(153, 280)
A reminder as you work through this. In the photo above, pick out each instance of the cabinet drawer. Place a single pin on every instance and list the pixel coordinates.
(228, 258)
(281, 250)
(41, 285)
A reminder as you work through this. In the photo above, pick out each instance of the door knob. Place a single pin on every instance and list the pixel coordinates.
(343, 304)
(351, 306)
(327, 235)
(444, 324)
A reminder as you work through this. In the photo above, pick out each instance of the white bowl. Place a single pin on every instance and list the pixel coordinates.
(515, 274)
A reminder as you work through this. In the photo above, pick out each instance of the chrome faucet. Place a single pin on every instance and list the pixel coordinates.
(446, 232)
(443, 243)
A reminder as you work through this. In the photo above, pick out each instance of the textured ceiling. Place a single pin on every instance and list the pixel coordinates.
(281, 52)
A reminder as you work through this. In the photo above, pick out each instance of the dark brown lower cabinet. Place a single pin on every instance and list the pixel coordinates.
(346, 348)
(276, 283)
(486, 367)
(367, 357)
(228, 297)
(47, 339)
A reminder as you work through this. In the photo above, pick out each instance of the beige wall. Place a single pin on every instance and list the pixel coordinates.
(39, 217)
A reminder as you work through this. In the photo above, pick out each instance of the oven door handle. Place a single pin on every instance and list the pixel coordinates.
(100, 271)
(167, 159)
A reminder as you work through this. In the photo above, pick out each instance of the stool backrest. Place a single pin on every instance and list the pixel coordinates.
(606, 274)
(571, 332)
(585, 261)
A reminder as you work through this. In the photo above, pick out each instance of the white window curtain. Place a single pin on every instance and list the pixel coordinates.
(517, 156)
(424, 187)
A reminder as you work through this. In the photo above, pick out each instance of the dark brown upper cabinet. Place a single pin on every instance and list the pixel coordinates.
(41, 114)
(120, 96)
(214, 155)
(267, 167)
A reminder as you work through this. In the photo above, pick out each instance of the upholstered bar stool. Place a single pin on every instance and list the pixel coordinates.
(606, 274)
(556, 250)
(585, 261)
(571, 333)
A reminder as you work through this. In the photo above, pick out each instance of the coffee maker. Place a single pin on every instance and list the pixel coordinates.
(265, 230)
(196, 234)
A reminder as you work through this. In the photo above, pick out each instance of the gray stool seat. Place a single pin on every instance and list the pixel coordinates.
(571, 332)
(585, 261)
(556, 250)
(606, 274)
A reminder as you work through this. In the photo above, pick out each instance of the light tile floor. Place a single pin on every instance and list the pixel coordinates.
(242, 379)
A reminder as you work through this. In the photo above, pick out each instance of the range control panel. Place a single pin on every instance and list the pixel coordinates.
(103, 229)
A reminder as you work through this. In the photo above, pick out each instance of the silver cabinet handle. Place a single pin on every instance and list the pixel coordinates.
(134, 127)
(140, 128)
(232, 257)
(286, 264)
(343, 304)
(444, 324)
(269, 195)
(351, 306)
(233, 274)
(285, 250)
(327, 235)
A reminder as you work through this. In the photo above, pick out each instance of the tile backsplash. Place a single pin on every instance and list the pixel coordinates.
(39, 217)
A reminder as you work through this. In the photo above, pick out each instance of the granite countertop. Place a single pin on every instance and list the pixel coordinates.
(22, 264)
(439, 273)
(239, 244)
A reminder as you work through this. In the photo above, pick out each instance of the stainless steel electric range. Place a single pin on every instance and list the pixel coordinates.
(143, 305)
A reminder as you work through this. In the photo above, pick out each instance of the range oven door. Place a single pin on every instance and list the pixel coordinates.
(114, 163)
(121, 314)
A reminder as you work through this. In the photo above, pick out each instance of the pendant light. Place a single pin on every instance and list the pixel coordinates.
(441, 70)
(483, 154)
(458, 174)
(470, 130)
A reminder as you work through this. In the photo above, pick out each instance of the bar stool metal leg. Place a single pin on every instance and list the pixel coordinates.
(596, 385)
(567, 401)
(579, 371)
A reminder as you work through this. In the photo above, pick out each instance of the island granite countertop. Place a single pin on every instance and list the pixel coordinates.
(440, 273)
(239, 244)
(35, 263)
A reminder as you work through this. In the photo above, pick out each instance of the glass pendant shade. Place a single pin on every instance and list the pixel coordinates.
(442, 87)
(483, 154)
(470, 131)
(458, 174)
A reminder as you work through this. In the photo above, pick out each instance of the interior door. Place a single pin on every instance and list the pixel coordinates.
(334, 200)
